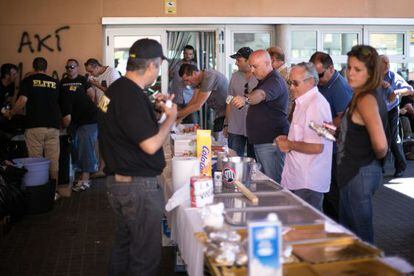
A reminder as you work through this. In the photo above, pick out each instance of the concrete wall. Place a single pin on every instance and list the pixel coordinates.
(33, 25)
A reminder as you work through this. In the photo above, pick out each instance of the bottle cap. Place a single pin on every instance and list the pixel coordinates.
(272, 217)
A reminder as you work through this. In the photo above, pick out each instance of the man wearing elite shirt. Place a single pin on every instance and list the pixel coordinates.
(80, 112)
(40, 94)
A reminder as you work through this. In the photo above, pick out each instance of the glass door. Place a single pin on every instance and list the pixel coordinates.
(119, 40)
(253, 36)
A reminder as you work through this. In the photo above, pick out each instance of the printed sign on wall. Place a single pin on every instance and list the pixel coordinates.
(170, 6)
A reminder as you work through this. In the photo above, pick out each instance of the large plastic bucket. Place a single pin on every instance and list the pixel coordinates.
(37, 170)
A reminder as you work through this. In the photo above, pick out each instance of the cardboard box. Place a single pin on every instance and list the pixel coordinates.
(184, 145)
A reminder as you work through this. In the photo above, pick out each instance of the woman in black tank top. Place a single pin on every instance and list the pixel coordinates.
(362, 142)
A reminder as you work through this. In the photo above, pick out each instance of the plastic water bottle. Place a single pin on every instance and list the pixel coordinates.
(265, 246)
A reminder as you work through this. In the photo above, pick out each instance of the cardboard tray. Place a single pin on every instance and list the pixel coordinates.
(369, 267)
(341, 249)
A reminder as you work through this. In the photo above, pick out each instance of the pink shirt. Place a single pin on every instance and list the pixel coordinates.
(309, 171)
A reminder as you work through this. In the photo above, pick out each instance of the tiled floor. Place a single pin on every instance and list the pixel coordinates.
(75, 238)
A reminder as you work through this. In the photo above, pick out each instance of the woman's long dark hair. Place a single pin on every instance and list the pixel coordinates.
(369, 56)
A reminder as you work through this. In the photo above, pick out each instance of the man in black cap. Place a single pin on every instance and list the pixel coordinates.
(242, 83)
(131, 144)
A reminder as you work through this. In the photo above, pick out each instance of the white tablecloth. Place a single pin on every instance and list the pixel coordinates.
(186, 222)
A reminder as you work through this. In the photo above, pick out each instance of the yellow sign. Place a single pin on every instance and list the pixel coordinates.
(170, 6)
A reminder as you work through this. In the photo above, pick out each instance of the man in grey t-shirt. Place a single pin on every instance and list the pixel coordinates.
(242, 83)
(211, 87)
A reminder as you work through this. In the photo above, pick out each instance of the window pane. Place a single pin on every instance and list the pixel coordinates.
(121, 50)
(411, 44)
(303, 44)
(253, 40)
(337, 44)
(388, 44)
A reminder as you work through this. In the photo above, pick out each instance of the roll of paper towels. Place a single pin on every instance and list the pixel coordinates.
(183, 168)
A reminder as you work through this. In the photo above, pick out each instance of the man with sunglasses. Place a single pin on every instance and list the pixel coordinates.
(242, 83)
(307, 170)
(79, 114)
(267, 113)
(338, 93)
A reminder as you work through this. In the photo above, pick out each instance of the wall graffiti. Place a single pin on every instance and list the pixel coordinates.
(41, 42)
(38, 43)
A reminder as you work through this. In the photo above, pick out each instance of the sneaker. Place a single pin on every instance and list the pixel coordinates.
(78, 187)
(85, 184)
(57, 196)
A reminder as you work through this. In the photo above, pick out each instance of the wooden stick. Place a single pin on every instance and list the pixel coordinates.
(246, 192)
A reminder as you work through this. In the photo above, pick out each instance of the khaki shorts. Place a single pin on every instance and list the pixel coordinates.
(44, 142)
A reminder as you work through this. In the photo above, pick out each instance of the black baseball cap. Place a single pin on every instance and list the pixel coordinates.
(243, 52)
(146, 48)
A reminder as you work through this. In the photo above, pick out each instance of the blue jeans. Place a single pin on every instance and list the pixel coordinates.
(86, 138)
(271, 159)
(138, 206)
(238, 143)
(355, 201)
(312, 197)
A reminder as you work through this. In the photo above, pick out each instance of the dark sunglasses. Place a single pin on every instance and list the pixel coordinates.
(322, 74)
(70, 66)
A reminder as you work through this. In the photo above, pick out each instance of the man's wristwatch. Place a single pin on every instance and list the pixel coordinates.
(246, 100)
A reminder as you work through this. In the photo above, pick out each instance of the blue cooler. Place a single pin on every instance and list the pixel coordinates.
(37, 170)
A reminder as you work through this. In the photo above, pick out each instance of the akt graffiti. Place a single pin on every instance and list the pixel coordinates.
(25, 41)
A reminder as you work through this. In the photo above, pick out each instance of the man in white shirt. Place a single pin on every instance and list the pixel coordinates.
(307, 170)
(101, 77)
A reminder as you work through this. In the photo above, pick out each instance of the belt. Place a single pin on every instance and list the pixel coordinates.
(123, 178)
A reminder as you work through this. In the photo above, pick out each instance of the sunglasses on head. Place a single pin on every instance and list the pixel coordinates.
(70, 66)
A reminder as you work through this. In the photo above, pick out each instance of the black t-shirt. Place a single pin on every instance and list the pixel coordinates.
(129, 120)
(5, 92)
(269, 119)
(355, 149)
(75, 101)
(42, 107)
